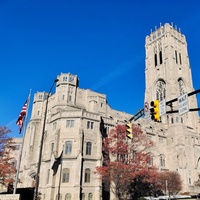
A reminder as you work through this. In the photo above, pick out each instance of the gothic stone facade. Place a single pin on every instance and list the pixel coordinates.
(168, 76)
(73, 123)
(74, 116)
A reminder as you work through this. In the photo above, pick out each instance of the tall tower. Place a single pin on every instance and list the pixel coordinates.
(168, 72)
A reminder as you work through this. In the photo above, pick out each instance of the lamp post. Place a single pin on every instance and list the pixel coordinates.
(37, 178)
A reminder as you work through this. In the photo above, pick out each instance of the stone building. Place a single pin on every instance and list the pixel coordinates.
(168, 76)
(73, 122)
(74, 117)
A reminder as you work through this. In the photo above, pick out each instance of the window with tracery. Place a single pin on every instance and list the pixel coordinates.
(162, 161)
(160, 90)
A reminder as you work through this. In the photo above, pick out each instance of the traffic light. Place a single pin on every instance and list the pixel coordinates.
(129, 130)
(155, 111)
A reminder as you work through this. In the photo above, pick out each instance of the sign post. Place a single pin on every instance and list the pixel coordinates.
(147, 112)
(139, 114)
(162, 107)
(183, 106)
(9, 196)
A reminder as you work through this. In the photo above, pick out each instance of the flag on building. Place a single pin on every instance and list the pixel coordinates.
(56, 164)
(21, 117)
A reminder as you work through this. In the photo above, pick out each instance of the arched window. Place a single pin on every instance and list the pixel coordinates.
(162, 161)
(90, 196)
(87, 175)
(88, 148)
(65, 175)
(68, 196)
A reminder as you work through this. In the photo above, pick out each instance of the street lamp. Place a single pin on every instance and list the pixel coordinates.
(37, 177)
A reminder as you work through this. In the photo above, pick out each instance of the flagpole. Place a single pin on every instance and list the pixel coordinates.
(37, 177)
(60, 175)
(22, 145)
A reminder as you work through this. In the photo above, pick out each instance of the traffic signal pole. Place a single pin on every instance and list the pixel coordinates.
(169, 103)
(176, 99)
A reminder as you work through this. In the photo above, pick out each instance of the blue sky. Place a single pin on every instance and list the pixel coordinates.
(100, 41)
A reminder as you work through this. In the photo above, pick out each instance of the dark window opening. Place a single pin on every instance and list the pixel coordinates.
(160, 55)
(87, 175)
(155, 59)
(176, 57)
(180, 58)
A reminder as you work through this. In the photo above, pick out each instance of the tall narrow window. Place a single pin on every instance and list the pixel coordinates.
(70, 94)
(52, 147)
(68, 147)
(48, 173)
(176, 57)
(155, 60)
(150, 160)
(87, 175)
(92, 125)
(88, 124)
(65, 175)
(162, 161)
(88, 148)
(160, 56)
(54, 125)
(181, 120)
(180, 58)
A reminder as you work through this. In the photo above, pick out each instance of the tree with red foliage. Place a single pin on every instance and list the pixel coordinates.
(7, 170)
(128, 159)
(170, 180)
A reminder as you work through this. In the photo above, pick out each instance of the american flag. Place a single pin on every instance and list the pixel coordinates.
(21, 117)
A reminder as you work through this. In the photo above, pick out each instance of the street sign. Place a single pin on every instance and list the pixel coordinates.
(139, 114)
(183, 106)
(9, 196)
(162, 107)
(147, 112)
